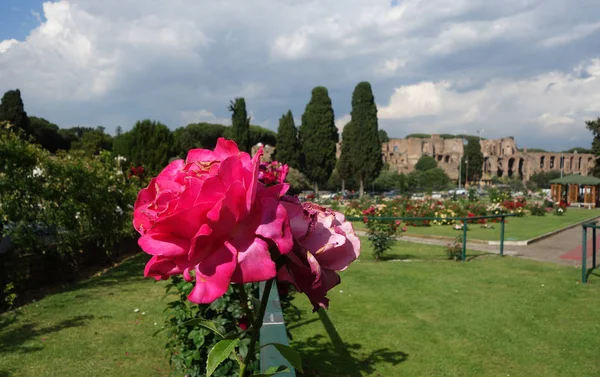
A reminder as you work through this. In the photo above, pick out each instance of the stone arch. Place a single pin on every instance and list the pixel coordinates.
(521, 167)
(542, 162)
(511, 167)
(447, 159)
(571, 164)
(579, 164)
(552, 158)
(500, 168)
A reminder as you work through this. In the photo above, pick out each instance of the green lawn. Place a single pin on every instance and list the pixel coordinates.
(517, 228)
(90, 329)
(491, 316)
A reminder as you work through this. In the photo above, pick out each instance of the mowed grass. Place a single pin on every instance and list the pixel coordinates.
(516, 228)
(90, 329)
(490, 316)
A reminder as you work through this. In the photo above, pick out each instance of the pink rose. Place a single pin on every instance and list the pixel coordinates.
(210, 219)
(324, 242)
(272, 173)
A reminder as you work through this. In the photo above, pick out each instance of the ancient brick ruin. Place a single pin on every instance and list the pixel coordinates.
(501, 157)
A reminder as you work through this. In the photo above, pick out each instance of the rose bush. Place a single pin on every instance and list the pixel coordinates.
(222, 217)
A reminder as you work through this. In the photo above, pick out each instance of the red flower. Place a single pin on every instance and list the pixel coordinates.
(243, 323)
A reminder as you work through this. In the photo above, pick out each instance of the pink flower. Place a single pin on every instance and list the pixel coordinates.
(398, 222)
(243, 323)
(324, 242)
(210, 219)
(404, 229)
(272, 173)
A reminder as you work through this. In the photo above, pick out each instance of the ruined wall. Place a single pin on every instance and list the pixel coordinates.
(501, 158)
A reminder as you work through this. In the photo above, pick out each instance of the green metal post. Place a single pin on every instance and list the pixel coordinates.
(464, 250)
(502, 236)
(584, 255)
(594, 247)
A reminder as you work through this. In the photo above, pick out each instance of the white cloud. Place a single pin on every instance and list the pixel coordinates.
(340, 123)
(198, 116)
(6, 44)
(551, 104)
(113, 62)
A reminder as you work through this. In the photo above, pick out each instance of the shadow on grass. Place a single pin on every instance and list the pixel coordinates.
(330, 356)
(14, 340)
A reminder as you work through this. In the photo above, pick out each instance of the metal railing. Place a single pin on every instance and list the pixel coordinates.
(464, 220)
(584, 272)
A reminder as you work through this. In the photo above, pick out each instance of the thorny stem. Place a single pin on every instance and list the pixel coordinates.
(244, 302)
(256, 328)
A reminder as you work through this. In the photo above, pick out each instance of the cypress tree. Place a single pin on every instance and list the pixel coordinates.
(288, 147)
(365, 146)
(474, 158)
(343, 166)
(240, 124)
(13, 110)
(318, 138)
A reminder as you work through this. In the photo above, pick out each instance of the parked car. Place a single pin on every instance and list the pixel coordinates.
(391, 194)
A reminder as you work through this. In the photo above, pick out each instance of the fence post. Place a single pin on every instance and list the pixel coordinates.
(583, 255)
(502, 236)
(464, 250)
(594, 247)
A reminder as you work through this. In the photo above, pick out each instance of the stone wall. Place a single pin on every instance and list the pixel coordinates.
(502, 158)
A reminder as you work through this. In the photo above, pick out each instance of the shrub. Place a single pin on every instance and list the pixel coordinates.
(380, 232)
(58, 212)
(454, 249)
(188, 344)
(537, 209)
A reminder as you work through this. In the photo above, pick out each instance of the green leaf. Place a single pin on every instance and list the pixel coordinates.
(289, 354)
(218, 353)
(272, 371)
(210, 325)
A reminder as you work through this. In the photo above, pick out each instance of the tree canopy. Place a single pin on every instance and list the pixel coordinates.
(363, 141)
(47, 135)
(473, 157)
(148, 143)
(94, 141)
(318, 137)
(426, 163)
(594, 126)
(383, 136)
(12, 110)
(288, 145)
(240, 124)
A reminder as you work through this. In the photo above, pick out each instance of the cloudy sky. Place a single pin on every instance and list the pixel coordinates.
(526, 68)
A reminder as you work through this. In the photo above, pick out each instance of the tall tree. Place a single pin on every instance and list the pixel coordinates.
(240, 124)
(119, 131)
(344, 163)
(383, 136)
(13, 111)
(288, 147)
(318, 138)
(197, 135)
(594, 126)
(94, 141)
(149, 143)
(47, 135)
(472, 161)
(365, 145)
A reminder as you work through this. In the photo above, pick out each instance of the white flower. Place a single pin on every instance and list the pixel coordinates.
(119, 210)
(38, 172)
(77, 215)
(136, 310)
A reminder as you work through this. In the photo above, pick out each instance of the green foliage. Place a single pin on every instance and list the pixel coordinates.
(149, 143)
(58, 210)
(92, 142)
(258, 134)
(240, 124)
(537, 209)
(432, 179)
(197, 135)
(344, 164)
(542, 179)
(426, 163)
(318, 137)
(472, 194)
(189, 344)
(454, 249)
(288, 145)
(47, 135)
(578, 150)
(594, 126)
(418, 136)
(383, 136)
(297, 181)
(362, 140)
(473, 157)
(391, 180)
(12, 110)
(381, 233)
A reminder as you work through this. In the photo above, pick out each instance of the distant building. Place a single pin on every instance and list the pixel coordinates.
(501, 157)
